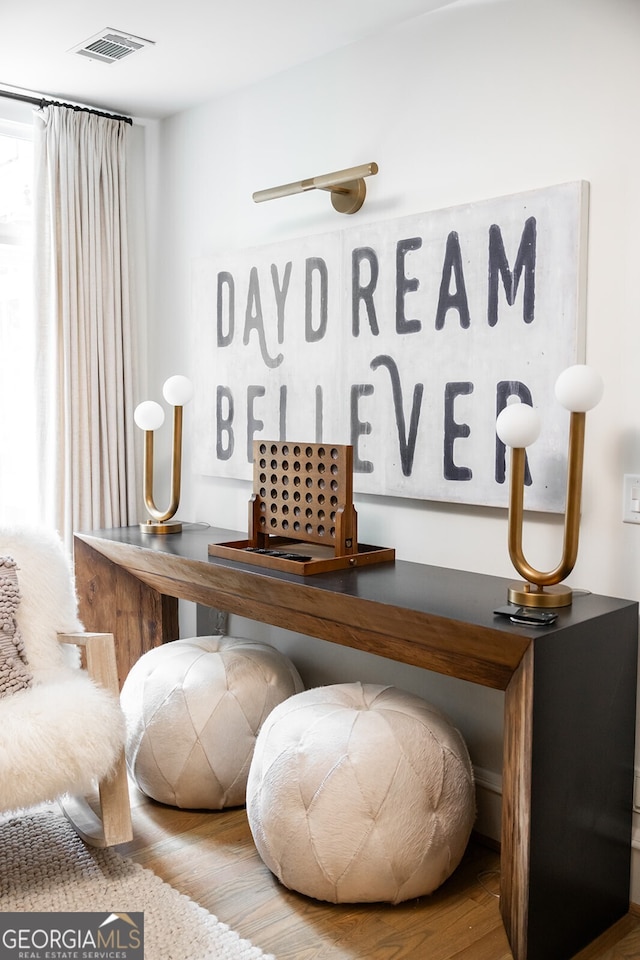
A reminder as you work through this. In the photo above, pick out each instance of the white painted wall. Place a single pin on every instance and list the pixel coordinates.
(478, 100)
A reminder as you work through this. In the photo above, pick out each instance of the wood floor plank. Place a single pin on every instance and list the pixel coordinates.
(211, 858)
(620, 942)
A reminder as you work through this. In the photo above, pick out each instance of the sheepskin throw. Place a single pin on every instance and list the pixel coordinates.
(14, 671)
(48, 603)
(63, 732)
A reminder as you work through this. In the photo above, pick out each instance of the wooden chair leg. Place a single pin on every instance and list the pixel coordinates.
(112, 824)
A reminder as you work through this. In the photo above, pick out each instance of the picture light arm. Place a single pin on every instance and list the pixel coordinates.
(347, 187)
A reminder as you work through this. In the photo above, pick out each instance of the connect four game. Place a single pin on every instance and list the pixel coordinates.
(301, 513)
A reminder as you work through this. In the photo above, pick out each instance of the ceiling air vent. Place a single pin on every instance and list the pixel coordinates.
(110, 45)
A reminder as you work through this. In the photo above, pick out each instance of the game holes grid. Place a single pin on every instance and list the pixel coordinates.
(300, 489)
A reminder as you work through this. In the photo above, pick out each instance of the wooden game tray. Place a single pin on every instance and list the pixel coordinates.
(321, 559)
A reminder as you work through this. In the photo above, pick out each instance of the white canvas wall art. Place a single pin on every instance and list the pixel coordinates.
(404, 338)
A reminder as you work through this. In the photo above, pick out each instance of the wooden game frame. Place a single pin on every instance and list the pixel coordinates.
(301, 514)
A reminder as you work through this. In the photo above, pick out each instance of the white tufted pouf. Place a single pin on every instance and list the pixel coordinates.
(360, 793)
(194, 708)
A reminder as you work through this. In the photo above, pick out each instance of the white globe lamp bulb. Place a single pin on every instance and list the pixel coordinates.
(579, 388)
(518, 425)
(178, 390)
(148, 415)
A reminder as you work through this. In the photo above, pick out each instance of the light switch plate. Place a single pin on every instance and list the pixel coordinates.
(631, 498)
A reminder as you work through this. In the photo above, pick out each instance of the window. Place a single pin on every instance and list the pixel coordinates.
(18, 462)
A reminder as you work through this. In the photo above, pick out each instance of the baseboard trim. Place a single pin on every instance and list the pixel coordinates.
(489, 842)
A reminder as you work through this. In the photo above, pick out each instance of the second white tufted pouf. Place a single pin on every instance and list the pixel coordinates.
(360, 793)
(194, 708)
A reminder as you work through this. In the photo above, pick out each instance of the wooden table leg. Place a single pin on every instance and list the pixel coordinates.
(516, 806)
(568, 787)
(112, 600)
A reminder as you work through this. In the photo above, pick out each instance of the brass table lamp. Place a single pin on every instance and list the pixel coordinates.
(149, 416)
(578, 389)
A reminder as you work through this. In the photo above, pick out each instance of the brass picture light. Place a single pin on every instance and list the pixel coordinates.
(347, 187)
(578, 389)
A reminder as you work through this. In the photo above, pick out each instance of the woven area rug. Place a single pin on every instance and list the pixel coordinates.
(45, 867)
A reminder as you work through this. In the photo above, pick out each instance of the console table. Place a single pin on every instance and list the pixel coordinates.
(570, 695)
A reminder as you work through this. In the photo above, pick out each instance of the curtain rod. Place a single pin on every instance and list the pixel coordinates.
(44, 102)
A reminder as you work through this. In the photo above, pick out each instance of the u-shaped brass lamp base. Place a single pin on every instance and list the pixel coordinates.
(161, 522)
(545, 589)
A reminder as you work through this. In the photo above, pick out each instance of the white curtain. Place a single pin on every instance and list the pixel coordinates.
(84, 339)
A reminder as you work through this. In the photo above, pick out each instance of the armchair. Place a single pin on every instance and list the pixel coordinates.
(62, 731)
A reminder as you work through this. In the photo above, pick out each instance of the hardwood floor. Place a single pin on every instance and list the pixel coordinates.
(211, 858)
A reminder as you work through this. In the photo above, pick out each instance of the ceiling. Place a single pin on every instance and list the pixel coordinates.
(201, 49)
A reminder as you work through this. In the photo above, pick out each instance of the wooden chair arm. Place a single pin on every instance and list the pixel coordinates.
(100, 651)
